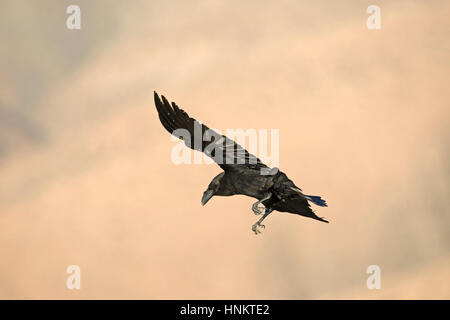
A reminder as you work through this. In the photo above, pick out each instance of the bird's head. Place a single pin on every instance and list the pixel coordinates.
(213, 188)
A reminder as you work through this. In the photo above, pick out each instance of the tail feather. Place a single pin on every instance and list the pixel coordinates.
(317, 200)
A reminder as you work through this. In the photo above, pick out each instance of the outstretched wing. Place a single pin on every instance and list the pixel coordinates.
(224, 151)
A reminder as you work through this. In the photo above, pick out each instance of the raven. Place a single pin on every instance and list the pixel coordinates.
(247, 175)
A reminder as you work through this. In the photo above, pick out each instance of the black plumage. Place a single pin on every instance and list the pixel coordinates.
(242, 171)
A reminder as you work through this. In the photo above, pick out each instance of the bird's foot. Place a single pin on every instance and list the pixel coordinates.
(257, 210)
(256, 226)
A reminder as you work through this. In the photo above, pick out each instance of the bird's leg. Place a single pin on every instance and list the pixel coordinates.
(258, 210)
(258, 223)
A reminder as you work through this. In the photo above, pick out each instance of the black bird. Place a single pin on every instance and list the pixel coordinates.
(243, 172)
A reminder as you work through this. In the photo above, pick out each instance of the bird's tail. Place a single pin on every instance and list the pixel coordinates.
(317, 200)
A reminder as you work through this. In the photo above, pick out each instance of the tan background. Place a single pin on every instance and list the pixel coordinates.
(85, 170)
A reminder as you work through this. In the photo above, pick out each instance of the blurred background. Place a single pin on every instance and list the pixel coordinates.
(86, 176)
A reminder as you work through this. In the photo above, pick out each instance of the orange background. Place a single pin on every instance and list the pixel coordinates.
(85, 170)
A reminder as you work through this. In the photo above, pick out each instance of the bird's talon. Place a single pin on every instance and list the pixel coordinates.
(256, 226)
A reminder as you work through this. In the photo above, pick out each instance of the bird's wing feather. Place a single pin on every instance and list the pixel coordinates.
(224, 151)
(297, 205)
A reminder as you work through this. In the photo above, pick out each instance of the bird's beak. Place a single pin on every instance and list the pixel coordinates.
(206, 196)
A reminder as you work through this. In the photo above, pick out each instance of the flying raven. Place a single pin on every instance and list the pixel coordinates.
(243, 172)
